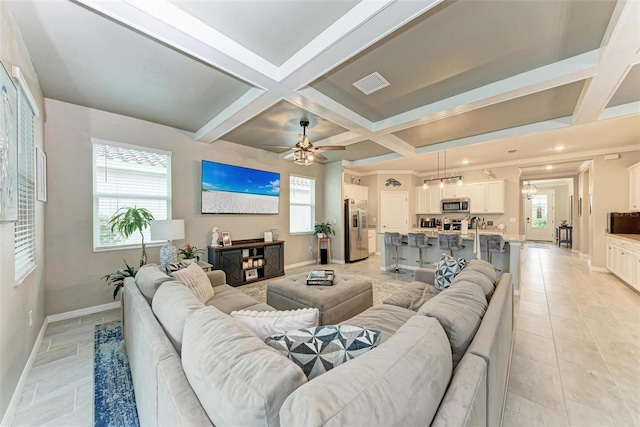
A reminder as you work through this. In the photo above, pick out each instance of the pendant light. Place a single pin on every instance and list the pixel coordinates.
(529, 191)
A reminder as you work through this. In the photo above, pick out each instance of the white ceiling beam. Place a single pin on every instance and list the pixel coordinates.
(619, 46)
(372, 160)
(553, 75)
(342, 139)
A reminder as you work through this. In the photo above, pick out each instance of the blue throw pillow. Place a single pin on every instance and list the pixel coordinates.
(447, 269)
(317, 350)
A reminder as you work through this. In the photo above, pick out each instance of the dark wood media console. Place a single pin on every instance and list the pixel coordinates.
(248, 260)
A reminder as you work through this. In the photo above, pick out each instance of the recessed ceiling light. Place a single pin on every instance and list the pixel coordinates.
(512, 151)
(559, 148)
(549, 167)
(465, 162)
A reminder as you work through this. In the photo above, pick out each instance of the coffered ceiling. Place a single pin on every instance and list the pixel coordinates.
(475, 78)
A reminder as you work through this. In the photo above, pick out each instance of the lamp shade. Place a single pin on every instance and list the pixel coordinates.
(167, 229)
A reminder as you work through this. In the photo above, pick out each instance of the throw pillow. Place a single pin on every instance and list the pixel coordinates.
(317, 350)
(194, 278)
(149, 278)
(170, 268)
(266, 323)
(447, 269)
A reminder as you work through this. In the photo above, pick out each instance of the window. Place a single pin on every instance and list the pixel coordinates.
(127, 176)
(25, 227)
(302, 204)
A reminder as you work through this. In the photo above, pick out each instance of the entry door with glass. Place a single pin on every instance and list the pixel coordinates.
(539, 216)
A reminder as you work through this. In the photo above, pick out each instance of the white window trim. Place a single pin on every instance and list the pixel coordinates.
(313, 221)
(149, 243)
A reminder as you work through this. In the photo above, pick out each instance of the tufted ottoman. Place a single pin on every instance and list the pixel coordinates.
(348, 296)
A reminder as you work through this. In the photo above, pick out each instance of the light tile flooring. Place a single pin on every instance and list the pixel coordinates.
(576, 352)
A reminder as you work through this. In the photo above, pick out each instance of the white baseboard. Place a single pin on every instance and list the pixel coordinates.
(598, 269)
(300, 264)
(337, 261)
(83, 312)
(15, 399)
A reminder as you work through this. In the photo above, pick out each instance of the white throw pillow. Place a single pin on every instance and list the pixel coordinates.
(194, 278)
(266, 323)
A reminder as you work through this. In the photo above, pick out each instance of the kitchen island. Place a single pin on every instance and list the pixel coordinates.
(509, 261)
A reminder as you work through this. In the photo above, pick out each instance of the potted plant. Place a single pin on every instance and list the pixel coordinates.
(190, 253)
(127, 221)
(323, 229)
(117, 279)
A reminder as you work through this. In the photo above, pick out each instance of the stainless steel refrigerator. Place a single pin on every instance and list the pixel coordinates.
(356, 230)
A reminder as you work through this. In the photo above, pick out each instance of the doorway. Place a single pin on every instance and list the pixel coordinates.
(539, 216)
(394, 211)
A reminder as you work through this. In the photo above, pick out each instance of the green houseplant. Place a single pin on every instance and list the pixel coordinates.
(190, 252)
(323, 229)
(117, 279)
(127, 221)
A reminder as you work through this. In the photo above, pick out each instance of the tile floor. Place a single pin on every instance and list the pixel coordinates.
(575, 357)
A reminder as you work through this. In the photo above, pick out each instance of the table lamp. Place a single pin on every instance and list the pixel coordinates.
(167, 229)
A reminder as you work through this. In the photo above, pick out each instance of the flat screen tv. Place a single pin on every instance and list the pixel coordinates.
(228, 189)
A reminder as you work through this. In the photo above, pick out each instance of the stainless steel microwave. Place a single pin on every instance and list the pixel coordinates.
(455, 205)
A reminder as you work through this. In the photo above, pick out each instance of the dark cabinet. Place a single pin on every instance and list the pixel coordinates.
(248, 260)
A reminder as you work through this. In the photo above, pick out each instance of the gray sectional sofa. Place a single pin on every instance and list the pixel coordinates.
(193, 364)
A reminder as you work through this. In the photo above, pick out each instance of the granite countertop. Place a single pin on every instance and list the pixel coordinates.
(635, 238)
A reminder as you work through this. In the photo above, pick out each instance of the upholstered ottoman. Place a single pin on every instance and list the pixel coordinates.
(348, 296)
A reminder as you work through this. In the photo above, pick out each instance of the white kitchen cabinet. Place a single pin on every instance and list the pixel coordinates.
(486, 197)
(634, 187)
(358, 192)
(455, 191)
(428, 200)
(623, 260)
(372, 241)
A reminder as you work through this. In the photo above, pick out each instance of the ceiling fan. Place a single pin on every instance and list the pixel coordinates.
(305, 152)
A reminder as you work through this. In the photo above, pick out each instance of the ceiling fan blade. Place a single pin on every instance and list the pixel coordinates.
(287, 147)
(319, 156)
(331, 148)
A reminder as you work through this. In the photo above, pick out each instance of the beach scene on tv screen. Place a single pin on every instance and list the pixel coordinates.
(234, 189)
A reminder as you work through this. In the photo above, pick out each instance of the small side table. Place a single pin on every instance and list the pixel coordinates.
(326, 240)
(564, 234)
(205, 265)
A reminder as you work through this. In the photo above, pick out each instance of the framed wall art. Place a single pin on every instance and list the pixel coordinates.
(8, 148)
(226, 238)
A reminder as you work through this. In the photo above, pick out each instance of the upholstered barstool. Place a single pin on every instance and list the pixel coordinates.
(450, 242)
(418, 240)
(493, 245)
(395, 240)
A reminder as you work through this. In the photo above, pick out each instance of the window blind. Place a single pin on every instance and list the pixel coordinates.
(301, 204)
(25, 227)
(128, 176)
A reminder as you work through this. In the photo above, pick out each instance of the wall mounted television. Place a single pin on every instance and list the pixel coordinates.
(228, 189)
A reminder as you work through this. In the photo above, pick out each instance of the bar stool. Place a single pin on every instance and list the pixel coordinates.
(418, 240)
(450, 242)
(394, 239)
(493, 245)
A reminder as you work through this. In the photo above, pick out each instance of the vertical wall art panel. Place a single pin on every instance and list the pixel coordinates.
(8, 148)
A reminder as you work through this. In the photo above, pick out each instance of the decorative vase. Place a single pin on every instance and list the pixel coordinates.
(189, 260)
(321, 235)
(274, 234)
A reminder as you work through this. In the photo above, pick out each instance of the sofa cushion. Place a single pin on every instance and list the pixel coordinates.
(469, 274)
(448, 268)
(266, 323)
(399, 383)
(317, 350)
(195, 279)
(384, 318)
(149, 278)
(228, 299)
(238, 378)
(459, 310)
(485, 268)
(406, 296)
(172, 304)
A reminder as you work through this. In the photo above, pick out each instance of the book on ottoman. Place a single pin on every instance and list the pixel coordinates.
(320, 278)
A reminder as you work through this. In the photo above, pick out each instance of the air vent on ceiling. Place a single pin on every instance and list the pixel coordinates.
(371, 83)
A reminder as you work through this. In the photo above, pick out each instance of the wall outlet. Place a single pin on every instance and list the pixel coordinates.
(512, 220)
(334, 220)
(310, 249)
(30, 318)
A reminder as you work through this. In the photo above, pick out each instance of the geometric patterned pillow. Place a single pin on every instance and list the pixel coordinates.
(317, 350)
(447, 269)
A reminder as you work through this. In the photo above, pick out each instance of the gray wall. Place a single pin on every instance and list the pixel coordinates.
(74, 271)
(16, 337)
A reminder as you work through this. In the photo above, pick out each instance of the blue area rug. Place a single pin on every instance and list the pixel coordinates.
(114, 402)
